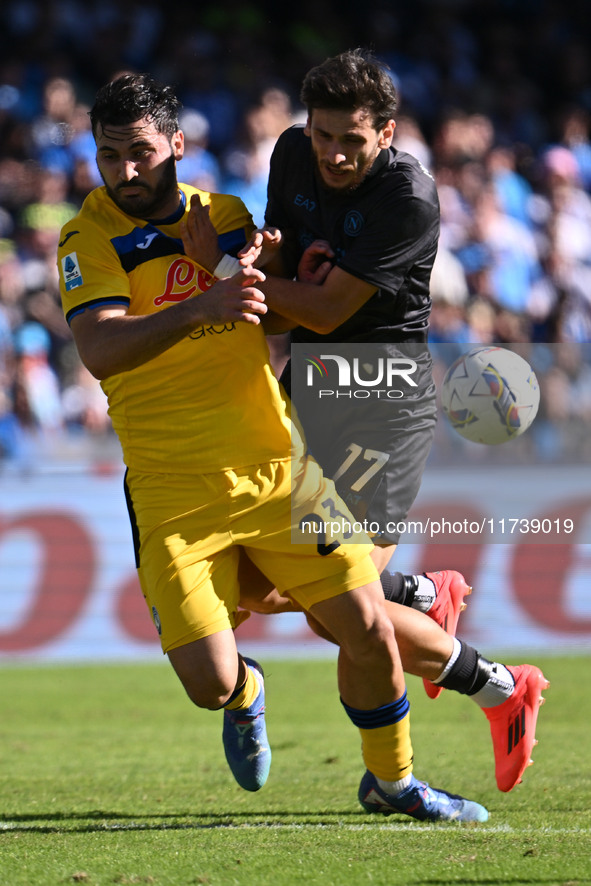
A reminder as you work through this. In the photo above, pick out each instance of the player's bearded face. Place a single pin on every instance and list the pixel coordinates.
(146, 200)
(345, 146)
(138, 166)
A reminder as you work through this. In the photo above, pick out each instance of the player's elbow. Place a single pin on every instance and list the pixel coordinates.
(326, 316)
(322, 325)
(97, 368)
(275, 324)
(99, 362)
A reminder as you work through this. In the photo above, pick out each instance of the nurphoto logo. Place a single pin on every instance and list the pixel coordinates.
(357, 378)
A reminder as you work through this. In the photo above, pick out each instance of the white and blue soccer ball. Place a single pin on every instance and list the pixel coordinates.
(490, 395)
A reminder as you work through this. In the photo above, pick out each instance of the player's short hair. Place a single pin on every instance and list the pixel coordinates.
(352, 80)
(130, 98)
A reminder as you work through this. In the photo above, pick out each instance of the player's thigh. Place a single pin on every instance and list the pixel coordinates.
(258, 593)
(381, 555)
(378, 473)
(352, 615)
(307, 543)
(188, 568)
(190, 595)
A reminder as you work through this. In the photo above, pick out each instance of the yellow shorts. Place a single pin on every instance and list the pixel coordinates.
(189, 531)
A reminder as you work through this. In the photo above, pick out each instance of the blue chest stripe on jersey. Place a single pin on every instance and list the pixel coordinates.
(232, 241)
(147, 243)
(142, 245)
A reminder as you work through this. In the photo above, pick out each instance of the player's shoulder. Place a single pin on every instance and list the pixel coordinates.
(292, 138)
(228, 213)
(295, 132)
(96, 212)
(408, 168)
(292, 156)
(216, 201)
(402, 163)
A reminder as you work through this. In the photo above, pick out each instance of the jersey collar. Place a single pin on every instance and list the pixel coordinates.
(378, 164)
(175, 216)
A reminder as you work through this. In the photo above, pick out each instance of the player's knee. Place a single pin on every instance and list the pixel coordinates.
(208, 669)
(269, 603)
(206, 687)
(210, 695)
(319, 629)
(373, 638)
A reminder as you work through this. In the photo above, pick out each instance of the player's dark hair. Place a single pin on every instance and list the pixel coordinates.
(350, 81)
(130, 98)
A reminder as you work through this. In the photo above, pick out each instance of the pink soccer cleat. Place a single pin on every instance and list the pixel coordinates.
(513, 725)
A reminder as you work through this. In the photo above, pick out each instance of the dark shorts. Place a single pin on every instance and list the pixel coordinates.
(374, 448)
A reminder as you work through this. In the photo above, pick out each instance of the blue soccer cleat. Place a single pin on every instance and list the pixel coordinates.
(419, 801)
(245, 739)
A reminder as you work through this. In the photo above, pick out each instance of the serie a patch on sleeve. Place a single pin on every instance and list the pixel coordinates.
(71, 271)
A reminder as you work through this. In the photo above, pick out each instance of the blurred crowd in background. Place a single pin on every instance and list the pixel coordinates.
(495, 100)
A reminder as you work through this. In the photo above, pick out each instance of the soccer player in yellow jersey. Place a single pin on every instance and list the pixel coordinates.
(213, 467)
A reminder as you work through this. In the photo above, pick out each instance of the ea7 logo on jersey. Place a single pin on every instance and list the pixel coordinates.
(306, 202)
(71, 271)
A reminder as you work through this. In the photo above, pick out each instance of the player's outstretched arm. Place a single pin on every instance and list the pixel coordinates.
(110, 341)
(320, 308)
(313, 268)
(276, 324)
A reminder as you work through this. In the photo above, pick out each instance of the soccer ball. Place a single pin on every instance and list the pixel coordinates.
(490, 395)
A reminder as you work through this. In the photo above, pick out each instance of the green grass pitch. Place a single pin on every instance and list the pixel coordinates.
(109, 775)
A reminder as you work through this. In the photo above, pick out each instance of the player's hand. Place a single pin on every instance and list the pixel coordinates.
(233, 300)
(262, 246)
(316, 263)
(199, 236)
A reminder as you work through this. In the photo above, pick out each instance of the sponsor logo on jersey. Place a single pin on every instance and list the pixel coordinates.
(305, 202)
(183, 279)
(142, 245)
(202, 331)
(71, 271)
(145, 243)
(66, 238)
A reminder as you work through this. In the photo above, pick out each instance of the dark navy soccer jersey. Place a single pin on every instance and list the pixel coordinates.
(385, 232)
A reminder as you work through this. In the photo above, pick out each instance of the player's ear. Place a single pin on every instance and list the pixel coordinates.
(308, 126)
(178, 144)
(387, 134)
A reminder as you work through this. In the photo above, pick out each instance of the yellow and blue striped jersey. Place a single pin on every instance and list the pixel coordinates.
(210, 402)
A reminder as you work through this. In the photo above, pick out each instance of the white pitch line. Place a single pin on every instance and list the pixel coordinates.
(408, 828)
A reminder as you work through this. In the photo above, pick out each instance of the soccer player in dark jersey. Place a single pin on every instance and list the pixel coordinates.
(362, 219)
(350, 237)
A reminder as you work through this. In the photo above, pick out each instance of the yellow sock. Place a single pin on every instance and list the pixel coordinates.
(387, 750)
(246, 694)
